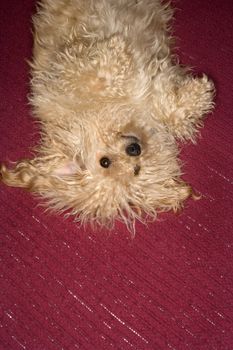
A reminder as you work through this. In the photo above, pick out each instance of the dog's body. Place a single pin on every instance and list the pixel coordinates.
(112, 102)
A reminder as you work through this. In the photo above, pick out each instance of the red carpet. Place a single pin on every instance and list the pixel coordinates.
(169, 288)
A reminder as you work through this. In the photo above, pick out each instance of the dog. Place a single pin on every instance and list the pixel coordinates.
(113, 104)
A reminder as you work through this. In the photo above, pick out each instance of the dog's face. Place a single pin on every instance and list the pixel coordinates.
(121, 170)
(110, 169)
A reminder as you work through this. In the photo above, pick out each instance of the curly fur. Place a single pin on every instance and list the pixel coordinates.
(103, 76)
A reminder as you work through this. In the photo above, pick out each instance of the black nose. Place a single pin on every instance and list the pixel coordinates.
(134, 149)
(105, 162)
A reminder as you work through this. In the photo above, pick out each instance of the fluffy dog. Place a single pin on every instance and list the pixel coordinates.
(112, 102)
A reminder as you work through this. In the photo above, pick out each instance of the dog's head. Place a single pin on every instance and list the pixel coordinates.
(112, 168)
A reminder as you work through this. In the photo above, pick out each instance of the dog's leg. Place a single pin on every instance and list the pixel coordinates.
(184, 104)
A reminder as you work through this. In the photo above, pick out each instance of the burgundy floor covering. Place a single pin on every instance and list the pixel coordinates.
(171, 287)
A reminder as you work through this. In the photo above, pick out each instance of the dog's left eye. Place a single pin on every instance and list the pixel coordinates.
(105, 162)
(134, 149)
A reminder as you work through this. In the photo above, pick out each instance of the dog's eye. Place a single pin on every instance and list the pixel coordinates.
(134, 149)
(105, 162)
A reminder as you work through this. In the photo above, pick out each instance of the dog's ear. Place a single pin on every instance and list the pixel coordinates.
(66, 169)
(69, 167)
(24, 174)
(34, 174)
(175, 192)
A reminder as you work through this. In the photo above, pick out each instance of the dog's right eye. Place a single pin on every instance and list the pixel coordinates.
(133, 150)
(105, 162)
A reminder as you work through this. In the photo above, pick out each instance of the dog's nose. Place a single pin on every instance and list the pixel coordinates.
(137, 169)
(133, 150)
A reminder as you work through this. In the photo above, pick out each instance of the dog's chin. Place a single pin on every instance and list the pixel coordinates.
(103, 195)
(102, 202)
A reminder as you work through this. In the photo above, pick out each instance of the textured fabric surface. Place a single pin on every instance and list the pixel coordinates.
(171, 287)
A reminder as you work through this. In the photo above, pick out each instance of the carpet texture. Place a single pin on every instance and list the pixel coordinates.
(171, 287)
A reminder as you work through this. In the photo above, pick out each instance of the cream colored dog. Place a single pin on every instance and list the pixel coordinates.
(112, 101)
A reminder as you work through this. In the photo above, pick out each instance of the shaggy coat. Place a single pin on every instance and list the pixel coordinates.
(112, 102)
